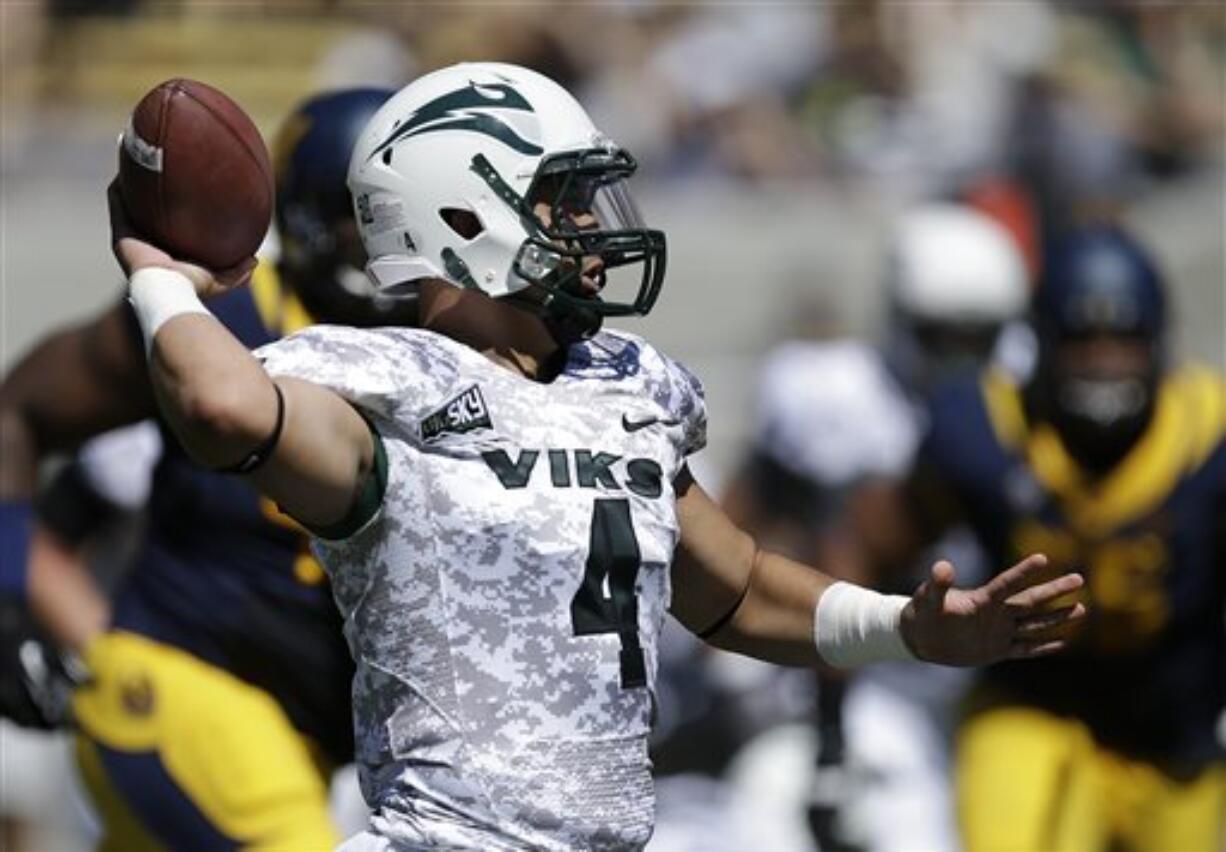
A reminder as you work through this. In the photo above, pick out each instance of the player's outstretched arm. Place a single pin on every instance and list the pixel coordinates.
(743, 599)
(74, 384)
(301, 444)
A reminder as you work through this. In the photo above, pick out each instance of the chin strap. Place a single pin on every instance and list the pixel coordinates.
(567, 325)
(572, 324)
(457, 269)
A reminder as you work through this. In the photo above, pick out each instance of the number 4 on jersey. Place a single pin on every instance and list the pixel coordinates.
(606, 600)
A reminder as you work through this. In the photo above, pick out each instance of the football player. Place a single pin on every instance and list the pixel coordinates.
(1110, 459)
(502, 498)
(217, 696)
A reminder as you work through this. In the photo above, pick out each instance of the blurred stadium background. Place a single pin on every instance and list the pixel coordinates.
(777, 141)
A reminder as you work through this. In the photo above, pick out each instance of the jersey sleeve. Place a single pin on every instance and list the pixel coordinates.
(682, 395)
(380, 371)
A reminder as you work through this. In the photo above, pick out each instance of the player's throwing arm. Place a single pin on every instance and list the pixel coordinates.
(208, 172)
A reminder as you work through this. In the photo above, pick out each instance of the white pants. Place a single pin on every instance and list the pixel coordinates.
(898, 749)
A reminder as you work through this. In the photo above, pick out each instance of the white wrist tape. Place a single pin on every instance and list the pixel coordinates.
(853, 626)
(156, 295)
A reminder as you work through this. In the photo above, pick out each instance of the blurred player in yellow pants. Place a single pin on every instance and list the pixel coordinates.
(1072, 793)
(1112, 463)
(217, 698)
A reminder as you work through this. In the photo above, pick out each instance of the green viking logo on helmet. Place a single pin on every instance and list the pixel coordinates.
(457, 111)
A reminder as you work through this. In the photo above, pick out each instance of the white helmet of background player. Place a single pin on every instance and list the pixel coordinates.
(445, 176)
(955, 278)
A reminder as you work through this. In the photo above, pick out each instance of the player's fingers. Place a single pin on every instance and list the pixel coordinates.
(1026, 649)
(210, 283)
(1016, 578)
(120, 224)
(236, 274)
(1029, 627)
(943, 573)
(121, 227)
(203, 280)
(131, 249)
(940, 581)
(1044, 593)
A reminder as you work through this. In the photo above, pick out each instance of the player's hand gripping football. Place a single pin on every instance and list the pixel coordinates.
(133, 253)
(1009, 617)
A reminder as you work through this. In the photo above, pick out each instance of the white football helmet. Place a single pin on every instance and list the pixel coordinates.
(955, 264)
(956, 278)
(446, 175)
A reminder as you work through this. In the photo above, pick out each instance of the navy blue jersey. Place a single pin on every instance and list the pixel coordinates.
(1147, 672)
(223, 575)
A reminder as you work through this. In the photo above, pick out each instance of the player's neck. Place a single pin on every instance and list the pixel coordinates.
(509, 336)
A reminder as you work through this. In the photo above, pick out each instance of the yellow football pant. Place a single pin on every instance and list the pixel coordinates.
(1030, 781)
(178, 754)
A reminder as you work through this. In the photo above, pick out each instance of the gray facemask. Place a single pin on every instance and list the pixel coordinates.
(1103, 402)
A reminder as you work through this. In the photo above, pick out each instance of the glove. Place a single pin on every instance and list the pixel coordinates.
(36, 679)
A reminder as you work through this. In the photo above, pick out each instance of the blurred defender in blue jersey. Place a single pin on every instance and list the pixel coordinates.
(217, 695)
(1111, 461)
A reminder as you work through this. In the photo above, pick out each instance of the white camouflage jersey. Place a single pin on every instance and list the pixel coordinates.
(503, 605)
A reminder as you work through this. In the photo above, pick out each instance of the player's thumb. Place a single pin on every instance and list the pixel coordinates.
(237, 274)
(940, 581)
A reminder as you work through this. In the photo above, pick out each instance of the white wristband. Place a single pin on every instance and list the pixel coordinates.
(853, 626)
(156, 295)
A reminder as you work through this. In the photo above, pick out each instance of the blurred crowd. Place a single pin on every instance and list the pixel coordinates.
(1084, 99)
(1079, 99)
(1020, 118)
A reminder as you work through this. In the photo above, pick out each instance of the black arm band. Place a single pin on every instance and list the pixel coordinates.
(254, 459)
(727, 616)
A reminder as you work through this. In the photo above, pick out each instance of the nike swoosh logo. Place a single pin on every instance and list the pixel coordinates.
(635, 425)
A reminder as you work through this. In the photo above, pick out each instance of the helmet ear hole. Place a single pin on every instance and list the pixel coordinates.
(464, 222)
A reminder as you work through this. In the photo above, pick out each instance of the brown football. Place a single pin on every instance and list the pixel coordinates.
(194, 175)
